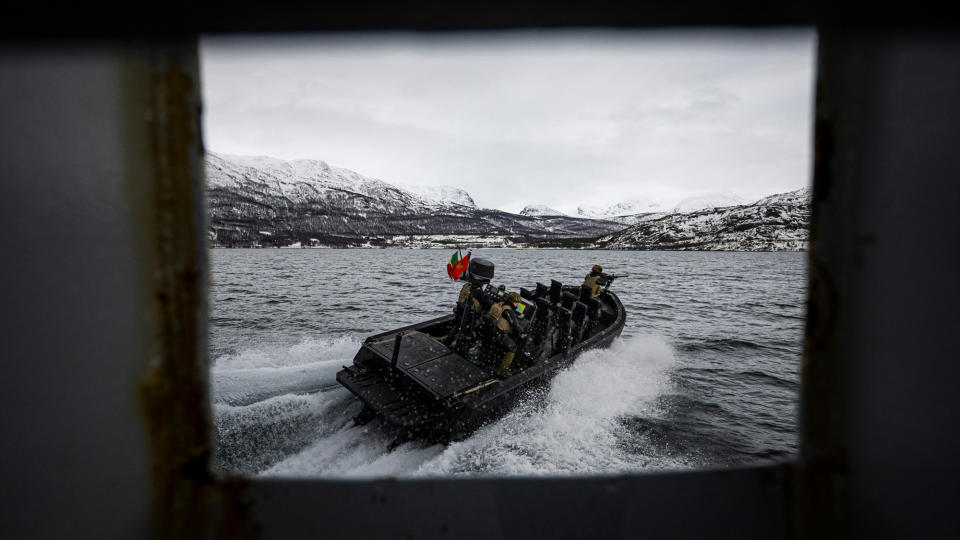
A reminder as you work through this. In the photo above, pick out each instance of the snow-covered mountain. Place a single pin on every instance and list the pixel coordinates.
(309, 181)
(704, 202)
(775, 223)
(267, 201)
(622, 209)
(635, 211)
(445, 194)
(540, 210)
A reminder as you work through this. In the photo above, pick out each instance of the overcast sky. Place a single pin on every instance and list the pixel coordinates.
(561, 118)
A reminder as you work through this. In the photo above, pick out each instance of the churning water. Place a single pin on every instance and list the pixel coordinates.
(705, 374)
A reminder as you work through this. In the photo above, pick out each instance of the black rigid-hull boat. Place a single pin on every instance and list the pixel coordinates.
(412, 380)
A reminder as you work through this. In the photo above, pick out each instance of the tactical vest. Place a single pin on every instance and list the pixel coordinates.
(496, 311)
(591, 283)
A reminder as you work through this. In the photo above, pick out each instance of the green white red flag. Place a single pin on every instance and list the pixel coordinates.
(457, 266)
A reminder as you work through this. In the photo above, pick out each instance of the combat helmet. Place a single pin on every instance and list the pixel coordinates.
(597, 269)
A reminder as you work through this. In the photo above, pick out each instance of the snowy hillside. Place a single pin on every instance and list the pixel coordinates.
(636, 211)
(266, 201)
(309, 181)
(776, 223)
(704, 202)
(540, 210)
(263, 201)
(443, 194)
(628, 208)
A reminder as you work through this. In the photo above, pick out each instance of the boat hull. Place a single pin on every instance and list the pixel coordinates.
(427, 390)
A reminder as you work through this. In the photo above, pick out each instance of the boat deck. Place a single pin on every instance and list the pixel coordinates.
(437, 369)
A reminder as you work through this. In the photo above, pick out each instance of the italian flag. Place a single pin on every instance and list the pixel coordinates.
(457, 266)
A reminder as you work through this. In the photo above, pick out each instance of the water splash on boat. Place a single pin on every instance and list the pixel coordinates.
(569, 426)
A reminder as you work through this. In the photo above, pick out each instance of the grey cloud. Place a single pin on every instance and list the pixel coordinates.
(557, 118)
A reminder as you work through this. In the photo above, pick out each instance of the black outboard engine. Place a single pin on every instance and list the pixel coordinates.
(556, 289)
(480, 271)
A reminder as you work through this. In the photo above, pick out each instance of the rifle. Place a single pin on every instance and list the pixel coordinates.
(610, 278)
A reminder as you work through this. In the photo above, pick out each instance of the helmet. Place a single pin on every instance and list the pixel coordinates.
(513, 298)
(597, 268)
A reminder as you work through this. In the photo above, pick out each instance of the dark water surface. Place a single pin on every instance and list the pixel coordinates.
(706, 373)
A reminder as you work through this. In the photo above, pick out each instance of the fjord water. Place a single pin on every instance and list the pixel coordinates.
(706, 373)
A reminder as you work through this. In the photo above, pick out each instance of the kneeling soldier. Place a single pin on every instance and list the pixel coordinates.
(596, 280)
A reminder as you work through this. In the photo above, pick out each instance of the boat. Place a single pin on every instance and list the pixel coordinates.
(427, 386)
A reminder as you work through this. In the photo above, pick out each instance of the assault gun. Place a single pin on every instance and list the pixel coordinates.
(610, 278)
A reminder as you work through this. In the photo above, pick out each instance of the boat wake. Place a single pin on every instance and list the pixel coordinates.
(281, 413)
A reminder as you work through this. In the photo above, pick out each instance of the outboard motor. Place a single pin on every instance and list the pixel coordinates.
(556, 289)
(542, 290)
(568, 299)
(480, 270)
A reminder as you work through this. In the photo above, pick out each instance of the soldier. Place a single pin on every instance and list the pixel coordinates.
(510, 326)
(477, 276)
(596, 280)
(465, 295)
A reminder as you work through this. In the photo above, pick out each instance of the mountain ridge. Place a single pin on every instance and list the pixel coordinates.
(258, 201)
(778, 222)
(262, 201)
(540, 210)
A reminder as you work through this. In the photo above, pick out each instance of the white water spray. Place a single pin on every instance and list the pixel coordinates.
(572, 427)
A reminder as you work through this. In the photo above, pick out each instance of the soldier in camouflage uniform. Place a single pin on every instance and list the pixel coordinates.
(469, 309)
(510, 326)
(596, 280)
(464, 296)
